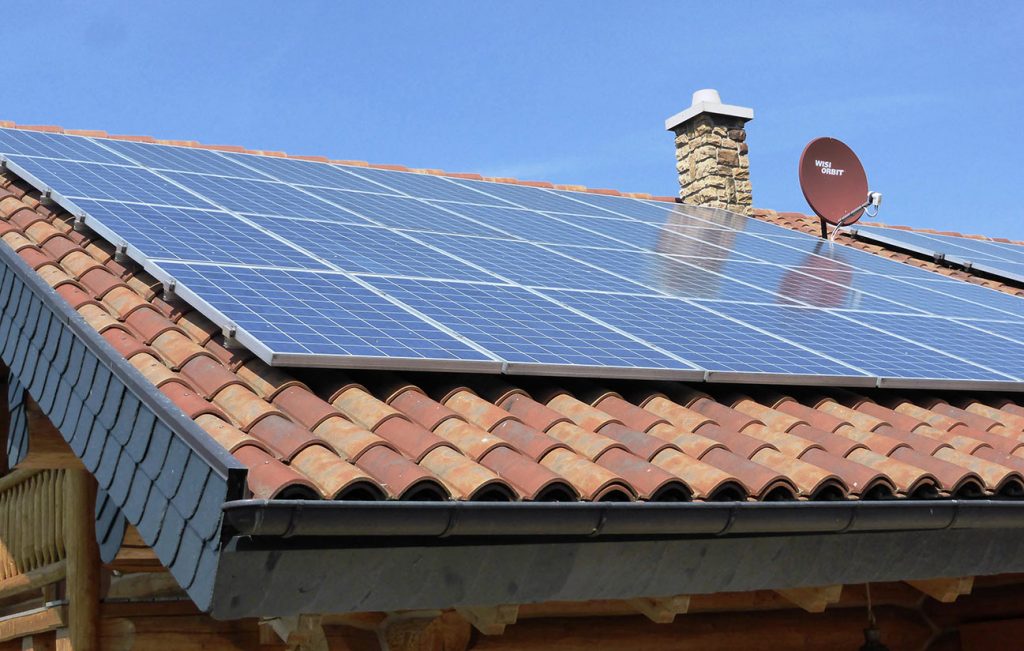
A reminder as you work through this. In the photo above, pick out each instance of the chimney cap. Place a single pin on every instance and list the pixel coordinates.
(707, 100)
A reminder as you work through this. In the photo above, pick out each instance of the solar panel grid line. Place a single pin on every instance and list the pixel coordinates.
(394, 211)
(37, 144)
(489, 363)
(965, 341)
(224, 321)
(681, 328)
(943, 353)
(887, 357)
(550, 346)
(249, 222)
(97, 181)
(752, 326)
(278, 169)
(430, 187)
(513, 194)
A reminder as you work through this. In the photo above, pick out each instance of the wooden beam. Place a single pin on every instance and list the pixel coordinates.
(46, 447)
(45, 642)
(813, 600)
(299, 632)
(145, 585)
(490, 620)
(945, 590)
(663, 610)
(33, 622)
(83, 561)
(424, 631)
(33, 579)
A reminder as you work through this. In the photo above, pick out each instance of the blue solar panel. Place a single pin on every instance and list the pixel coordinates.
(522, 327)
(302, 172)
(181, 159)
(425, 186)
(534, 198)
(847, 340)
(953, 338)
(403, 212)
(999, 259)
(1012, 307)
(671, 276)
(699, 336)
(825, 286)
(262, 197)
(538, 227)
(528, 264)
(369, 249)
(185, 234)
(299, 255)
(49, 145)
(92, 181)
(309, 313)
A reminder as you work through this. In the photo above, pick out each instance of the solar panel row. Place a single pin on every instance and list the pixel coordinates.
(1001, 259)
(335, 265)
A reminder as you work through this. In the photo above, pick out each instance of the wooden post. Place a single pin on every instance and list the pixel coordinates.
(83, 563)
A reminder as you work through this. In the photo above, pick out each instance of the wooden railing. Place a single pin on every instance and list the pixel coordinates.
(32, 549)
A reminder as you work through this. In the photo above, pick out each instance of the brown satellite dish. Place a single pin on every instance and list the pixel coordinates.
(833, 181)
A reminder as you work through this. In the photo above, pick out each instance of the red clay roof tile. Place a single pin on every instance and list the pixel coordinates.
(478, 438)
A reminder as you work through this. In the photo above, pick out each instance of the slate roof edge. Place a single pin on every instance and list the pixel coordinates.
(119, 424)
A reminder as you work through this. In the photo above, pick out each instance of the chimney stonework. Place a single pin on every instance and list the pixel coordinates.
(711, 153)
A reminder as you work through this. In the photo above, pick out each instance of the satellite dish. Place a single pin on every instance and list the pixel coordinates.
(834, 183)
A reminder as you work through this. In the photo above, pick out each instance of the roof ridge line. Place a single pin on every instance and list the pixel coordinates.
(95, 133)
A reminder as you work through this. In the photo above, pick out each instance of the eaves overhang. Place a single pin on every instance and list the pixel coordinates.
(155, 468)
(286, 558)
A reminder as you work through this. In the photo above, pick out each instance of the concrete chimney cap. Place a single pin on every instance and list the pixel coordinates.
(707, 100)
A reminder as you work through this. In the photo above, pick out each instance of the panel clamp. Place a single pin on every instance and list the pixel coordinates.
(79, 224)
(169, 290)
(230, 331)
(121, 253)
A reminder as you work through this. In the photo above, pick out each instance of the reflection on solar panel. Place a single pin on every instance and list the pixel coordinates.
(320, 264)
(1000, 259)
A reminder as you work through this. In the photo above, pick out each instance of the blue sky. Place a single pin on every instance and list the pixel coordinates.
(570, 92)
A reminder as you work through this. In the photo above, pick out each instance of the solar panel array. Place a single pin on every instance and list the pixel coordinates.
(1001, 259)
(317, 264)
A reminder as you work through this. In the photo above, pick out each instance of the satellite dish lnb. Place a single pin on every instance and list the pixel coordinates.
(834, 183)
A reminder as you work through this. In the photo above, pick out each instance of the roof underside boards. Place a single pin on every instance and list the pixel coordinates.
(324, 265)
(428, 436)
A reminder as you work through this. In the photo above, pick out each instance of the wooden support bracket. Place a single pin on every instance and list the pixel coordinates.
(663, 610)
(944, 590)
(490, 620)
(813, 600)
(299, 632)
(424, 631)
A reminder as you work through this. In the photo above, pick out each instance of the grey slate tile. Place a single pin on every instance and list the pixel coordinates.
(141, 433)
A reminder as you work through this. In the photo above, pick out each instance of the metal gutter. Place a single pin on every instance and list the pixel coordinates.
(589, 520)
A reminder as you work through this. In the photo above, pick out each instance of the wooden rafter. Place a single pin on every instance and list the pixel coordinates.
(813, 600)
(944, 590)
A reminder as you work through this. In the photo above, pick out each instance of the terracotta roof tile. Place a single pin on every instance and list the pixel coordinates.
(323, 434)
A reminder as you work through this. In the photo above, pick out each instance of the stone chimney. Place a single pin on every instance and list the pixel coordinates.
(711, 153)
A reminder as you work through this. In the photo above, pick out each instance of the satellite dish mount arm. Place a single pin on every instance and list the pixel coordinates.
(874, 199)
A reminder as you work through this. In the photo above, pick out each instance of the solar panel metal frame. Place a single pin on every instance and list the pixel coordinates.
(262, 351)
